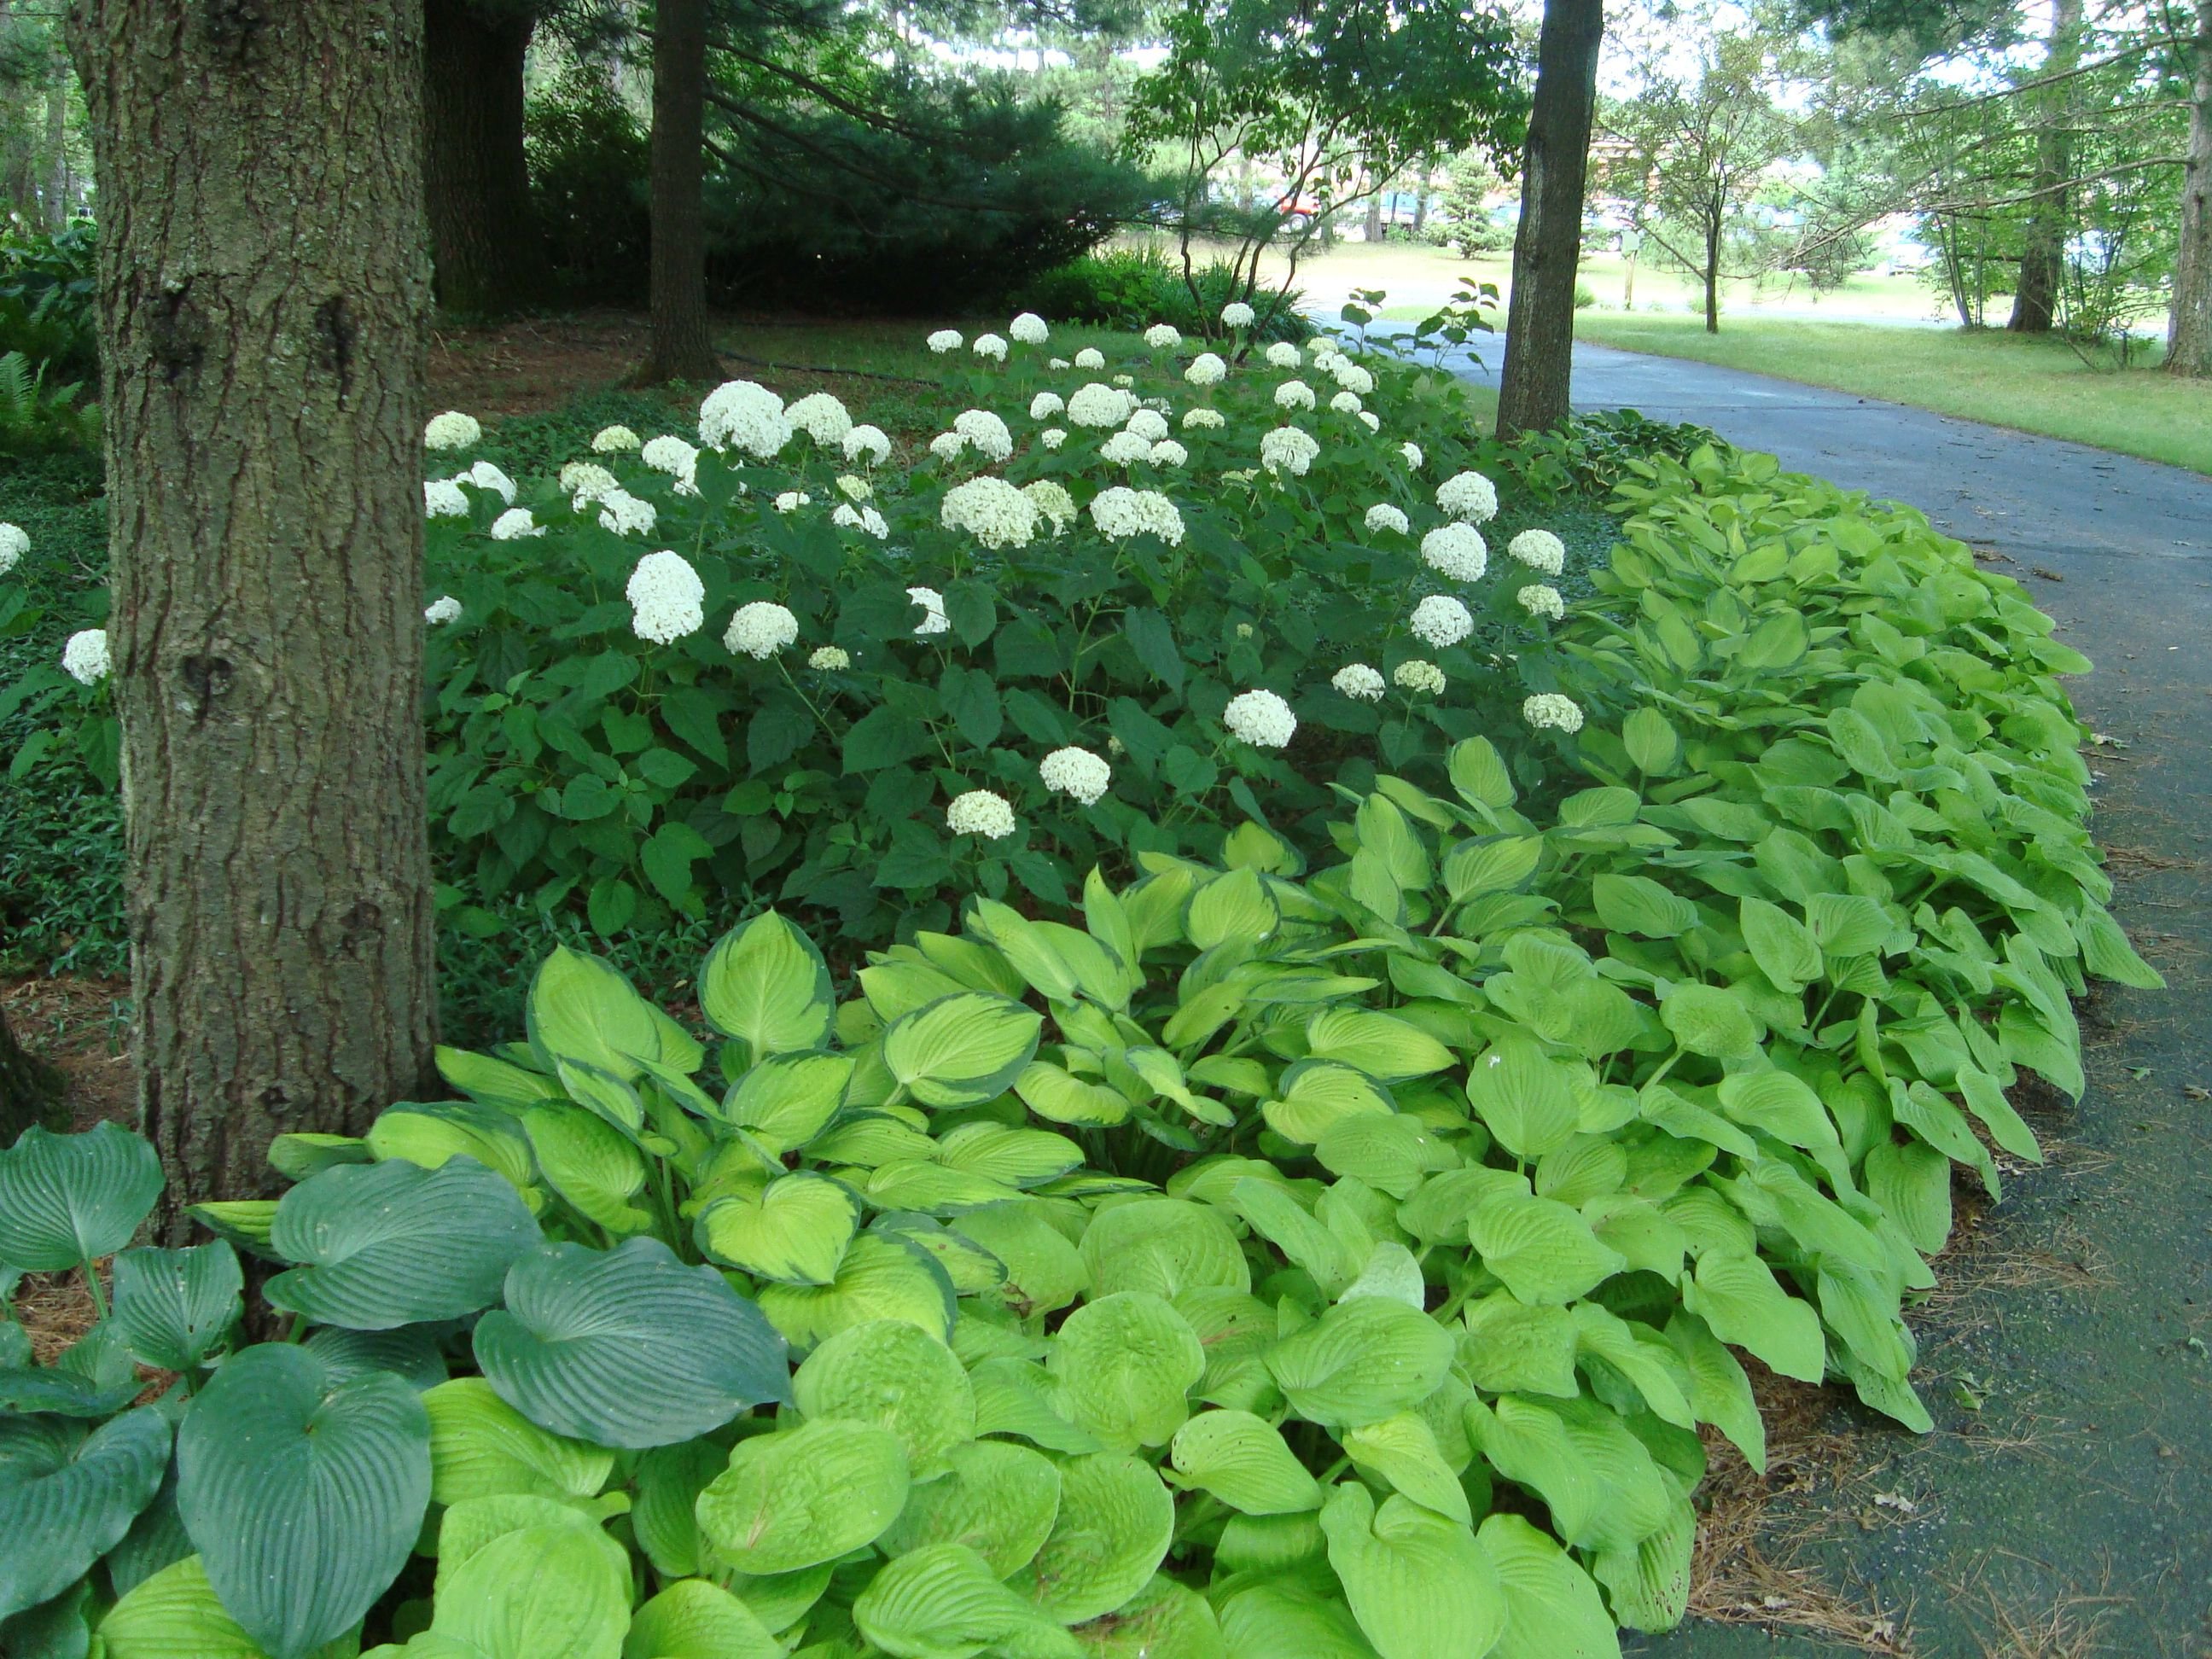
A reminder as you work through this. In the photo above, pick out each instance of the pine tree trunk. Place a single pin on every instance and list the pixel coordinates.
(28, 1088)
(263, 295)
(483, 238)
(1540, 319)
(2043, 248)
(681, 347)
(57, 171)
(2188, 322)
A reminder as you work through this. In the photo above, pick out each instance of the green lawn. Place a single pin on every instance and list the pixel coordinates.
(2035, 386)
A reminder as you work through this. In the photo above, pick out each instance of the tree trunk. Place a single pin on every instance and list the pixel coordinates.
(483, 238)
(2043, 248)
(1712, 272)
(264, 290)
(28, 1088)
(2188, 322)
(1374, 230)
(1540, 319)
(57, 167)
(682, 349)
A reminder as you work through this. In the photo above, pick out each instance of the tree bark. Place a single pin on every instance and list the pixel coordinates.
(2043, 248)
(1540, 319)
(1712, 272)
(2189, 320)
(483, 238)
(264, 290)
(28, 1088)
(681, 349)
(57, 166)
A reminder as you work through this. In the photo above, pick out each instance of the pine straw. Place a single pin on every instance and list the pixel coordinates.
(56, 1310)
(2070, 1628)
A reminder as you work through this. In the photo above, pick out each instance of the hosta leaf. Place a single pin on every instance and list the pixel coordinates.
(1316, 1095)
(787, 1101)
(1987, 1102)
(881, 1276)
(999, 1500)
(1235, 907)
(795, 1230)
(1014, 1397)
(1912, 1180)
(898, 1377)
(1402, 1450)
(694, 1619)
(1596, 1478)
(54, 1630)
(1060, 1097)
(1114, 1524)
(1514, 1348)
(470, 1527)
(1720, 1392)
(1162, 1245)
(1390, 1154)
(943, 1602)
(431, 1134)
(1782, 946)
(550, 1592)
(67, 1198)
(1418, 1583)
(1524, 1096)
(173, 1306)
(1543, 1250)
(387, 1244)
(1125, 1365)
(1308, 1243)
(1780, 1105)
(1244, 1460)
(175, 1614)
(1044, 1270)
(1651, 741)
(1495, 865)
(482, 1447)
(1164, 1620)
(627, 1347)
(1710, 1021)
(961, 1050)
(1737, 1297)
(304, 1498)
(1287, 1616)
(581, 1009)
(766, 983)
(67, 1497)
(1361, 1362)
(1552, 1610)
(590, 1164)
(800, 1496)
(1020, 1157)
(1386, 1048)
(1479, 774)
(1641, 906)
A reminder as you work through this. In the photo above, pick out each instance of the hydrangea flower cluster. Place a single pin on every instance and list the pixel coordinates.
(1418, 676)
(587, 481)
(1345, 403)
(1162, 337)
(1090, 357)
(849, 517)
(1352, 376)
(792, 500)
(1205, 369)
(742, 415)
(986, 432)
(625, 514)
(1284, 354)
(1097, 405)
(1441, 620)
(442, 499)
(484, 476)
(1358, 681)
(866, 446)
(945, 340)
(991, 510)
(853, 489)
(948, 446)
(1149, 424)
(821, 418)
(1540, 550)
(514, 525)
(1210, 420)
(1237, 314)
(1468, 495)
(1030, 329)
(1121, 513)
(1125, 449)
(1076, 773)
(442, 610)
(1287, 449)
(13, 544)
(1052, 500)
(613, 440)
(828, 659)
(666, 598)
(1053, 437)
(1540, 599)
(1168, 453)
(85, 659)
(1046, 404)
(1414, 459)
(933, 621)
(1457, 551)
(452, 430)
(1384, 516)
(993, 346)
(1294, 394)
(670, 454)
(760, 629)
(1550, 710)
(980, 812)
(1260, 719)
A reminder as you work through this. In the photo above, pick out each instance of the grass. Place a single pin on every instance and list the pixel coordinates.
(2034, 385)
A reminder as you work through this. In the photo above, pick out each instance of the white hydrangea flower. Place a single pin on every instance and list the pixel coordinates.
(514, 525)
(1384, 516)
(945, 340)
(948, 446)
(608, 440)
(1124, 381)
(1244, 630)
(821, 418)
(587, 481)
(1345, 403)
(1413, 454)
(1058, 363)
(1260, 719)
(1284, 354)
(1100, 405)
(991, 510)
(744, 416)
(935, 621)
(625, 514)
(860, 518)
(1162, 336)
(1147, 423)
(986, 432)
(1370, 420)
(1121, 513)
(1241, 475)
(760, 629)
(1046, 404)
(1418, 676)
(1325, 355)
(1441, 620)
(854, 489)
(1540, 599)
(979, 813)
(1550, 709)
(792, 500)
(1287, 449)
(1125, 449)
(868, 441)
(993, 346)
(484, 476)
(1052, 437)
(1077, 773)
(670, 454)
(666, 598)
(1457, 550)
(1237, 314)
(1468, 495)
(1168, 453)
(442, 499)
(1090, 357)
(1294, 394)
(1208, 419)
(828, 659)
(1540, 550)
(1352, 376)
(452, 430)
(442, 610)
(85, 659)
(1205, 369)
(1358, 681)
(13, 544)
(1052, 500)
(1030, 329)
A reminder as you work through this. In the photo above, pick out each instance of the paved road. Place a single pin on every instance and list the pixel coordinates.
(2076, 1498)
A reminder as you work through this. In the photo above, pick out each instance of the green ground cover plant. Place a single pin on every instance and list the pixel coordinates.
(1330, 1243)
